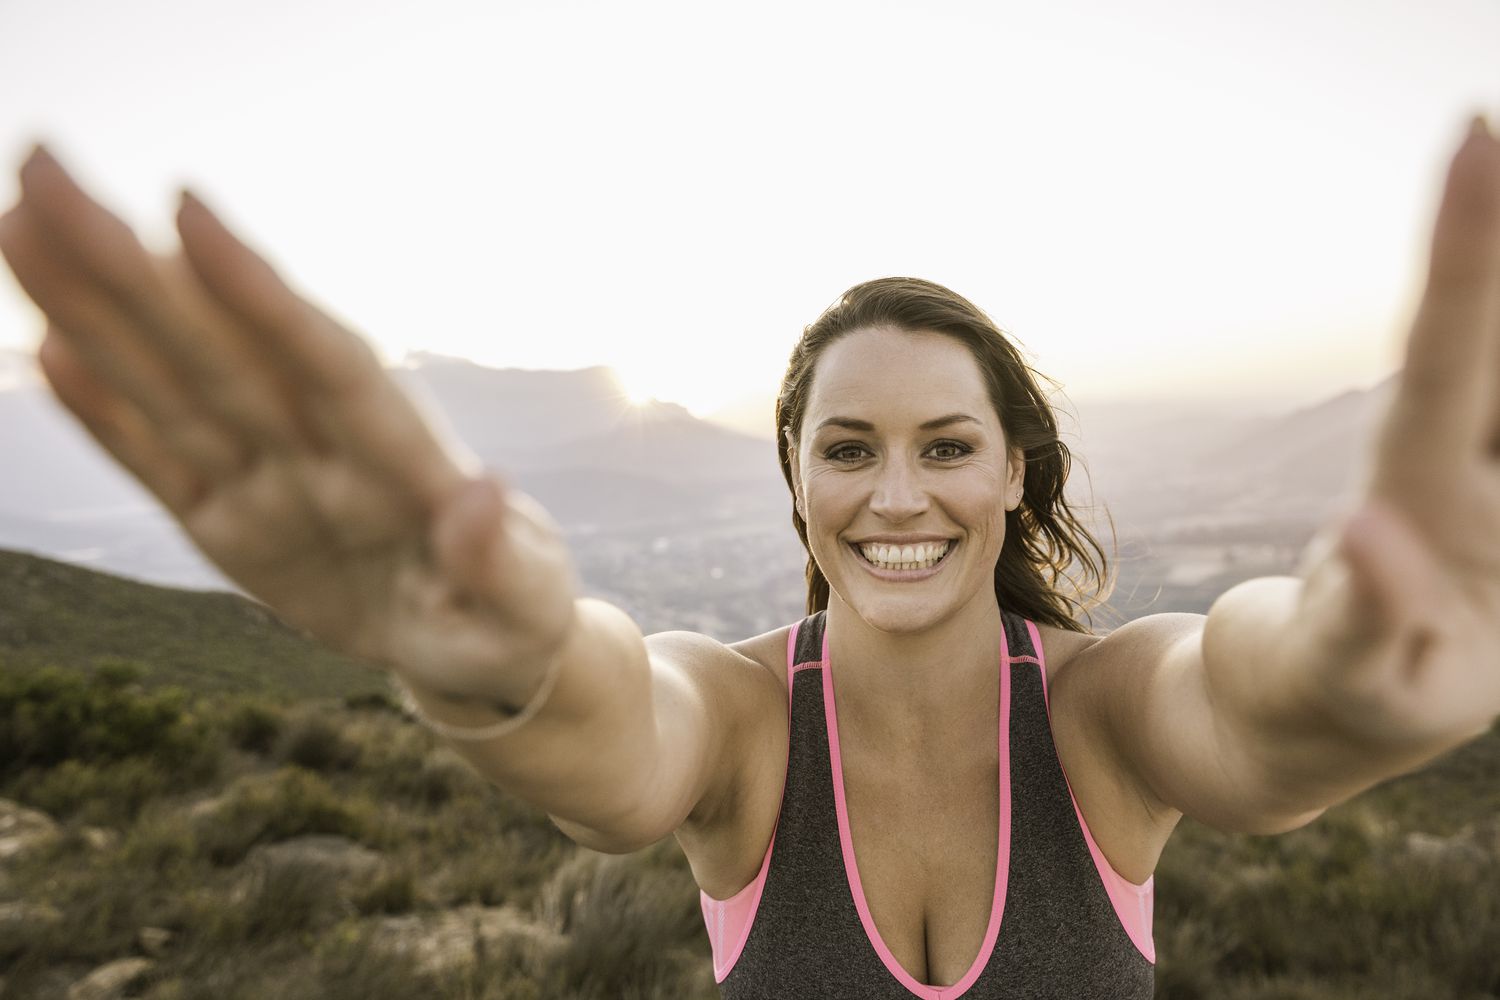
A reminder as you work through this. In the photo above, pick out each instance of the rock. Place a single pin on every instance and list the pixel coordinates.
(109, 982)
(23, 829)
(207, 808)
(98, 838)
(154, 941)
(1458, 849)
(451, 939)
(18, 915)
(339, 857)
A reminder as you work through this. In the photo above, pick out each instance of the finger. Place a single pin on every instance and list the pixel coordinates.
(315, 351)
(1444, 405)
(101, 339)
(348, 394)
(212, 362)
(89, 233)
(118, 426)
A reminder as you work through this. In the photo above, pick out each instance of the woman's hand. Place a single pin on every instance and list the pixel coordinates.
(289, 456)
(1400, 617)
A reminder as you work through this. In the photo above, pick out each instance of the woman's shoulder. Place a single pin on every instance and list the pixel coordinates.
(1060, 645)
(768, 650)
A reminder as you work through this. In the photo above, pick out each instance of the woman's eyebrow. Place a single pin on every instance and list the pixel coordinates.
(864, 425)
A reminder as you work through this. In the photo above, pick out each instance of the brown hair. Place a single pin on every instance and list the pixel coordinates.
(1042, 535)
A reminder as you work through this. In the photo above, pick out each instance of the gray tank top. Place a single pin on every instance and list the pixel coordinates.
(1063, 923)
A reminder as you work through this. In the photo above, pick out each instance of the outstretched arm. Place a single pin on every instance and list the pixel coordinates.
(1295, 693)
(296, 464)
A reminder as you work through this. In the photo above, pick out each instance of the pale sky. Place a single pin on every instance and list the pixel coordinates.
(1158, 198)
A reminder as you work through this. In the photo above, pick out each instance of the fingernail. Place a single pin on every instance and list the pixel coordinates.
(1479, 126)
(185, 197)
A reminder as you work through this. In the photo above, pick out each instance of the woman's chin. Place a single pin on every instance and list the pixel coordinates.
(897, 616)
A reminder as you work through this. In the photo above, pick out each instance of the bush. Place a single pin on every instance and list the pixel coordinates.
(375, 701)
(293, 801)
(253, 726)
(50, 716)
(109, 794)
(313, 741)
(159, 840)
(394, 891)
(282, 898)
(621, 914)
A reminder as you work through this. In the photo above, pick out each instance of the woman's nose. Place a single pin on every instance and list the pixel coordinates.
(899, 493)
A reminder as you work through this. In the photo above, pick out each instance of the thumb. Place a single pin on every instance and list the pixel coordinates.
(467, 532)
(1396, 579)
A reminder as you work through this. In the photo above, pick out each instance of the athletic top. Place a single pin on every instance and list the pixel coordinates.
(1063, 923)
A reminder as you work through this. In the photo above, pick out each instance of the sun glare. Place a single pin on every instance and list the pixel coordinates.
(635, 393)
(634, 388)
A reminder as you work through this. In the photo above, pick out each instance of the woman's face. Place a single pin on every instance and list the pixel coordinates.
(901, 446)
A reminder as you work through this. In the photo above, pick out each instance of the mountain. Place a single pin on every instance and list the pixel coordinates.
(506, 411)
(1176, 476)
(523, 422)
(1231, 464)
(568, 437)
(54, 613)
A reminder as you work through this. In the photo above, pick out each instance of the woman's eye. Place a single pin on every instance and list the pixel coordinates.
(844, 453)
(953, 449)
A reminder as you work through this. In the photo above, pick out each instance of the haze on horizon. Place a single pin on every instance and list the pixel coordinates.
(1173, 199)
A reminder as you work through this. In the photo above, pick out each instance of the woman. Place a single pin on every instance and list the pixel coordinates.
(972, 802)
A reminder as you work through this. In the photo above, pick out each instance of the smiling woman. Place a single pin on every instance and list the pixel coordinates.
(915, 334)
(939, 783)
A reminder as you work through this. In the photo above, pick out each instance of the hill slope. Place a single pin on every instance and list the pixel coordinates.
(56, 613)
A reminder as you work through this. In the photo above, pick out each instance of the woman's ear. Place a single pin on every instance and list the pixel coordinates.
(1015, 482)
(796, 464)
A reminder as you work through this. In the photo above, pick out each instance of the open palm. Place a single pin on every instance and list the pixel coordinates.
(288, 455)
(1418, 632)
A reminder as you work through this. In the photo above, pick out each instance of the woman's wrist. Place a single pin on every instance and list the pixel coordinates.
(460, 717)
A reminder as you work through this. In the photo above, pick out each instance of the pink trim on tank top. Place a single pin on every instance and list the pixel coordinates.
(729, 920)
(1133, 902)
(1002, 848)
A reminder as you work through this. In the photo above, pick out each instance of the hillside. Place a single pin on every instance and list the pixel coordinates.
(56, 613)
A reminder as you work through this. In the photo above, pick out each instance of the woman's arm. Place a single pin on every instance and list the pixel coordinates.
(1295, 693)
(296, 464)
(637, 734)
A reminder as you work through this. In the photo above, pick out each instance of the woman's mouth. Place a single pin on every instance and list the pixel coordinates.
(903, 561)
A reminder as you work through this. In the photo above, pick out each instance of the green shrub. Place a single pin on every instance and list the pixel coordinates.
(106, 794)
(375, 701)
(159, 840)
(291, 802)
(315, 742)
(410, 770)
(393, 891)
(50, 716)
(253, 726)
(282, 898)
(621, 914)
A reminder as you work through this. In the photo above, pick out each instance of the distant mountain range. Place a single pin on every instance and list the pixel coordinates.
(607, 468)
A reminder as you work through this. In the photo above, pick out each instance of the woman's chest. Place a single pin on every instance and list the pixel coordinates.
(926, 845)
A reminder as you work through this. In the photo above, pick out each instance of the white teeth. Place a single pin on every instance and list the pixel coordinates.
(905, 556)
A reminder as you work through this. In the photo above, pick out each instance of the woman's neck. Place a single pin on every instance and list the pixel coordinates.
(912, 685)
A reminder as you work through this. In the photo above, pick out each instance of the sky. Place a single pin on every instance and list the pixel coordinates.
(1155, 199)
